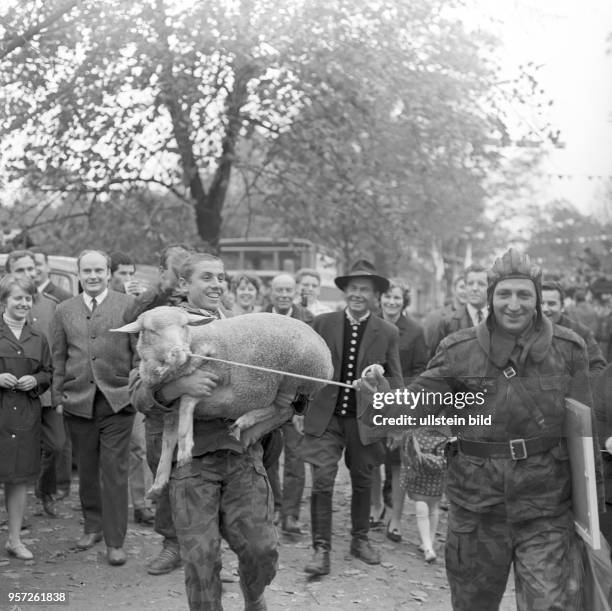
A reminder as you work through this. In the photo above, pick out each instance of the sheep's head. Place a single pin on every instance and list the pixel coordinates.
(163, 343)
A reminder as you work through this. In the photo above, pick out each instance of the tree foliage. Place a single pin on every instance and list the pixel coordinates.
(368, 125)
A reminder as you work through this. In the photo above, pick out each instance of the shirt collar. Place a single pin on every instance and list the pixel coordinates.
(356, 321)
(473, 312)
(43, 286)
(289, 313)
(99, 298)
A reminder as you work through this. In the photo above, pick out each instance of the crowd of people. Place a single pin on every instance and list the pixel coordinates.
(70, 390)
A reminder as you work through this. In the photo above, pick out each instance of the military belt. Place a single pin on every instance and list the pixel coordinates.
(516, 449)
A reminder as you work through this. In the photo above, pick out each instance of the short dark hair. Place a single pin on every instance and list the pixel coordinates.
(10, 280)
(120, 258)
(40, 250)
(17, 254)
(88, 251)
(553, 285)
(237, 281)
(396, 283)
(474, 268)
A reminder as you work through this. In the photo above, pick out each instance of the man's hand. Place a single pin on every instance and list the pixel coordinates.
(609, 445)
(200, 383)
(26, 383)
(372, 379)
(8, 380)
(298, 423)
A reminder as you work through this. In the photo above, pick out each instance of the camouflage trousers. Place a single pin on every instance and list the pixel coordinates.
(480, 549)
(224, 494)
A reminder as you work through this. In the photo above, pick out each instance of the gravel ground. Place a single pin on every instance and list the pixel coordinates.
(402, 582)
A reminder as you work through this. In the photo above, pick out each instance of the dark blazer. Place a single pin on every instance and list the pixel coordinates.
(450, 321)
(87, 356)
(412, 349)
(55, 292)
(299, 313)
(379, 345)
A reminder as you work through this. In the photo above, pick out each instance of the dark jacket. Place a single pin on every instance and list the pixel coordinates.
(597, 362)
(55, 292)
(379, 345)
(412, 348)
(449, 321)
(554, 368)
(20, 412)
(299, 313)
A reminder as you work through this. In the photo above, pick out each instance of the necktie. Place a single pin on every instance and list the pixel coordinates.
(94, 305)
(479, 316)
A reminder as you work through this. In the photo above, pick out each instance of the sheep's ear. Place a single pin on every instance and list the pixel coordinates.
(133, 327)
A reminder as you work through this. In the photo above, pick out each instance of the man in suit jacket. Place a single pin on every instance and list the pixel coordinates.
(42, 280)
(287, 502)
(90, 383)
(473, 312)
(333, 423)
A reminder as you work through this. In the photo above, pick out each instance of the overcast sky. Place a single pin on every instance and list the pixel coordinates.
(568, 38)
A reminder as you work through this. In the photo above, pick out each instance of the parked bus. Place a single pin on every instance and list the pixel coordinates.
(266, 258)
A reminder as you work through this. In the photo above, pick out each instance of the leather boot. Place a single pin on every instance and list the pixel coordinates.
(319, 563)
(253, 605)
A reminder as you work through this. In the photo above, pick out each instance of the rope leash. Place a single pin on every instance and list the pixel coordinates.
(269, 370)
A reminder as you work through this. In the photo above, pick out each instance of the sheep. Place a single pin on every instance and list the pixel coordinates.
(169, 344)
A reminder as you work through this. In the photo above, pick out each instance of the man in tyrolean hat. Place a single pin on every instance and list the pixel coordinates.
(332, 424)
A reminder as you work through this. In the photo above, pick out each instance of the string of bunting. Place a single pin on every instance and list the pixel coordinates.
(590, 177)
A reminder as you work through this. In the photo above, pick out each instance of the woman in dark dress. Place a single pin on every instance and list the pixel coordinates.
(25, 373)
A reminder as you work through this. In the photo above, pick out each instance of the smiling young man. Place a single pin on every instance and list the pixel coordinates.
(332, 424)
(90, 385)
(509, 482)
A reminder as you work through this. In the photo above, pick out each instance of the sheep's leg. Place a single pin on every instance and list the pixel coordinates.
(169, 439)
(258, 430)
(185, 429)
(251, 418)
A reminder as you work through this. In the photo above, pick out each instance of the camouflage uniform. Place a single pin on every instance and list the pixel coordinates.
(224, 494)
(506, 511)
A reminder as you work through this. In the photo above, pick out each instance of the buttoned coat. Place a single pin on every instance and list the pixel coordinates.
(20, 412)
(379, 345)
(88, 356)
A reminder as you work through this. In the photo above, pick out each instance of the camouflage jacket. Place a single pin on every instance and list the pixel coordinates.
(555, 367)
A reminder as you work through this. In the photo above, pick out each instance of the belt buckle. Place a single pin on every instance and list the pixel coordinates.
(509, 372)
(518, 450)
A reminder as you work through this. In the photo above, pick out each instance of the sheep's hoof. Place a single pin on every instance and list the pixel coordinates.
(155, 491)
(234, 431)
